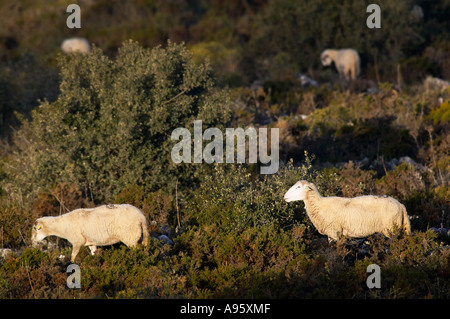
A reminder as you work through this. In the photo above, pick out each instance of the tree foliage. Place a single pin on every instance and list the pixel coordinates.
(110, 126)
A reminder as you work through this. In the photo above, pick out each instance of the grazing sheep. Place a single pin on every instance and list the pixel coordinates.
(353, 217)
(100, 226)
(345, 60)
(80, 45)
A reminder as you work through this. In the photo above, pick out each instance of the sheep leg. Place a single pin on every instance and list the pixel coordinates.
(93, 249)
(352, 74)
(75, 250)
(342, 73)
(332, 238)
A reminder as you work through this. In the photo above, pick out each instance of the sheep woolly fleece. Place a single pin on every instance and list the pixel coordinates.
(346, 61)
(80, 45)
(353, 217)
(100, 226)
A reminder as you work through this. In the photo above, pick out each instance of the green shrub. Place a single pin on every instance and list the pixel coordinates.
(116, 269)
(110, 127)
(15, 225)
(32, 257)
(440, 115)
(414, 267)
(415, 69)
(346, 130)
(156, 206)
(233, 199)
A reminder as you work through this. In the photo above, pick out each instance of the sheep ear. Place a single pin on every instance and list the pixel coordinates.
(308, 188)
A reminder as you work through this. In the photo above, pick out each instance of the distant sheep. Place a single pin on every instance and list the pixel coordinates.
(346, 61)
(435, 84)
(100, 226)
(353, 217)
(80, 45)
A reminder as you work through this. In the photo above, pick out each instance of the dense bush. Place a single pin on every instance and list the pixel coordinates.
(110, 126)
(15, 225)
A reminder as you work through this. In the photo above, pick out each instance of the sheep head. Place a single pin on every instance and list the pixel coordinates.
(299, 191)
(325, 58)
(38, 233)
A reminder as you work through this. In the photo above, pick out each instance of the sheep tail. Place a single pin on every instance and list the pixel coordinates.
(406, 223)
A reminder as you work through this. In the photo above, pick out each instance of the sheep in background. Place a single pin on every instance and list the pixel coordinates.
(353, 217)
(100, 226)
(80, 45)
(346, 61)
(435, 84)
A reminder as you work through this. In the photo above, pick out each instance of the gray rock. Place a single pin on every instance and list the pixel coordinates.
(165, 239)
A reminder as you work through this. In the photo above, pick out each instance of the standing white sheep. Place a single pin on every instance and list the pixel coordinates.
(80, 45)
(353, 217)
(346, 61)
(100, 226)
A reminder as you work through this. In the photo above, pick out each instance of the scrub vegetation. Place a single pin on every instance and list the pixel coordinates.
(86, 130)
